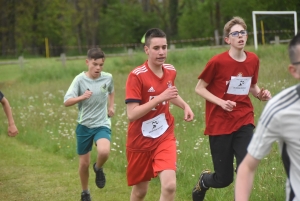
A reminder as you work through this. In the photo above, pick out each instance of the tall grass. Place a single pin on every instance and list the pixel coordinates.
(36, 97)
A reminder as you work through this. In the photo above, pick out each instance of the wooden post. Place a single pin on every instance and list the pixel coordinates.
(277, 41)
(63, 59)
(262, 32)
(47, 47)
(21, 62)
(217, 37)
(130, 51)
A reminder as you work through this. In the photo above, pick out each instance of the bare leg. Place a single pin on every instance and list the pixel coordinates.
(103, 149)
(84, 162)
(139, 191)
(168, 185)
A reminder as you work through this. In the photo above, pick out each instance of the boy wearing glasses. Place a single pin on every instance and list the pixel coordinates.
(225, 84)
(279, 122)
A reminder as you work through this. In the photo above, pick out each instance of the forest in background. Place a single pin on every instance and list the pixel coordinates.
(73, 26)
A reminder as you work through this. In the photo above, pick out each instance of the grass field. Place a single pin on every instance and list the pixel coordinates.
(41, 162)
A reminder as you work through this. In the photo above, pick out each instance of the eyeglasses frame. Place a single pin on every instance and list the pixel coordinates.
(239, 32)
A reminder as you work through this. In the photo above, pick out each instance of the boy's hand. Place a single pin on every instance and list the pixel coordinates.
(264, 95)
(87, 94)
(228, 105)
(110, 112)
(169, 93)
(188, 114)
(12, 130)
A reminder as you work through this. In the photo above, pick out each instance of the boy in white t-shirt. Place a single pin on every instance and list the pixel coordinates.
(280, 121)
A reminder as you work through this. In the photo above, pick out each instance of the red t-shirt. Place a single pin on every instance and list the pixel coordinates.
(217, 74)
(143, 85)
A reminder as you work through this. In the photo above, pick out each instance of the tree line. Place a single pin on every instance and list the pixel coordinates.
(72, 26)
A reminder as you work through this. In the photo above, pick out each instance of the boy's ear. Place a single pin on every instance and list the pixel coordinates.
(146, 49)
(226, 39)
(293, 71)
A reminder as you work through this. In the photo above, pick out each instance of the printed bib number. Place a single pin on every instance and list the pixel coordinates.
(239, 85)
(155, 127)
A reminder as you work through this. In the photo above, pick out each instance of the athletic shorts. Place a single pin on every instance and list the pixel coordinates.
(85, 137)
(144, 165)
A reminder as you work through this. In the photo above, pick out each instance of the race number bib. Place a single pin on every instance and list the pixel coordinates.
(155, 127)
(239, 85)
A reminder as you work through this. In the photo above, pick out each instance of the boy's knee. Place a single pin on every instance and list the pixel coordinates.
(84, 165)
(225, 182)
(169, 187)
(141, 193)
(84, 162)
(103, 153)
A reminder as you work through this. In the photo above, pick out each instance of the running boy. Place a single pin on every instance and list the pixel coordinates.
(151, 143)
(280, 121)
(93, 90)
(225, 83)
(12, 130)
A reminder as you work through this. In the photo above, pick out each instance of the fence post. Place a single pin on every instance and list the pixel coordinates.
(130, 51)
(277, 41)
(21, 61)
(63, 59)
(217, 37)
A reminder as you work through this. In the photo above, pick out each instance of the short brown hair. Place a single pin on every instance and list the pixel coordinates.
(95, 53)
(232, 22)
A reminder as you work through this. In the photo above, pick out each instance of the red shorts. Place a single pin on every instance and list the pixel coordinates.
(144, 165)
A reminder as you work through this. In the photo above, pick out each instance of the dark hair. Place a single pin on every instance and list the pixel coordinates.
(95, 53)
(153, 33)
(293, 52)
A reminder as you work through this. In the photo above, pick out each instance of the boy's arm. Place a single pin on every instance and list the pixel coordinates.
(12, 129)
(72, 101)
(111, 101)
(136, 111)
(245, 177)
(262, 94)
(202, 91)
(188, 113)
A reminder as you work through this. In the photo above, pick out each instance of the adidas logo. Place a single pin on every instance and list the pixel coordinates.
(151, 89)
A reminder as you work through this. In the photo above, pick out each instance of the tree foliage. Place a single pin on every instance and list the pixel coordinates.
(75, 25)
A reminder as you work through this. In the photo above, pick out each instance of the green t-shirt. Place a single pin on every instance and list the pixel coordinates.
(93, 111)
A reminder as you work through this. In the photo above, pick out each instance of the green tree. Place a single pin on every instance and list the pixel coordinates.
(7, 25)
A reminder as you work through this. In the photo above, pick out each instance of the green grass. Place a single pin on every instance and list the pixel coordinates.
(41, 162)
(9, 72)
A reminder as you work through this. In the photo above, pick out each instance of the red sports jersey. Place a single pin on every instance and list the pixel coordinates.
(217, 74)
(143, 85)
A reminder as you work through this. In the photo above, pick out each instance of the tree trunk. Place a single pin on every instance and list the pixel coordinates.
(78, 27)
(218, 21)
(146, 5)
(173, 9)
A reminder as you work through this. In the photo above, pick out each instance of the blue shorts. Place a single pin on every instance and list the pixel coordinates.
(85, 137)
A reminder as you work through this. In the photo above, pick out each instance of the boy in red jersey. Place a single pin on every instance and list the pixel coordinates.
(151, 144)
(225, 83)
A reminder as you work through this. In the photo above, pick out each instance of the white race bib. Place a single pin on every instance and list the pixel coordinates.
(239, 85)
(155, 127)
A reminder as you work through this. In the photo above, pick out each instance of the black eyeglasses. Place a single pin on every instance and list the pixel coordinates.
(296, 63)
(236, 33)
